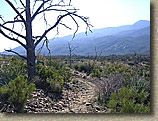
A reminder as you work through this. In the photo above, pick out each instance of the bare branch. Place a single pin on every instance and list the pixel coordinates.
(13, 32)
(96, 53)
(34, 6)
(74, 48)
(22, 4)
(2, 18)
(44, 17)
(86, 21)
(71, 14)
(47, 46)
(16, 40)
(57, 22)
(38, 11)
(16, 17)
(76, 28)
(40, 49)
(71, 49)
(61, 1)
(60, 10)
(69, 2)
(66, 26)
(12, 22)
(15, 1)
(16, 54)
(57, 32)
(91, 66)
(35, 14)
(19, 14)
(45, 41)
(21, 30)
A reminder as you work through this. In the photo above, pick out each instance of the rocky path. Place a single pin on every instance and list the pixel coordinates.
(78, 97)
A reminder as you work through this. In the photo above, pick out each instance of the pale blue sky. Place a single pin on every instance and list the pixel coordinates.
(102, 13)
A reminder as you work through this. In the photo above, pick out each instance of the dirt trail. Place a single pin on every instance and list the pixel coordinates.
(78, 97)
(82, 97)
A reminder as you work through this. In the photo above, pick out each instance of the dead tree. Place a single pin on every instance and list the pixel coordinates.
(26, 14)
(71, 49)
(135, 58)
(91, 66)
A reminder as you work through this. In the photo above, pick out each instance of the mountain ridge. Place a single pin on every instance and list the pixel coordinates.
(119, 40)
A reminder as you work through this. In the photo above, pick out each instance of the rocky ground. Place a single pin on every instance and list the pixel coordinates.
(79, 96)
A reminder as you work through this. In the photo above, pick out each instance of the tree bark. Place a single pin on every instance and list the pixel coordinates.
(30, 44)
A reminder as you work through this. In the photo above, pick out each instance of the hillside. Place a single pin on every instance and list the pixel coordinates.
(111, 40)
(83, 88)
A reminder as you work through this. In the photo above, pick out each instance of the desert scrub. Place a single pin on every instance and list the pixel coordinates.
(50, 72)
(84, 67)
(76, 66)
(17, 92)
(129, 100)
(96, 73)
(55, 64)
(12, 70)
(53, 78)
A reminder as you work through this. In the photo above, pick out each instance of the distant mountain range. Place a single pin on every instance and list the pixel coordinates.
(111, 40)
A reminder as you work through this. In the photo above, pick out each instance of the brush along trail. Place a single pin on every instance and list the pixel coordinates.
(78, 96)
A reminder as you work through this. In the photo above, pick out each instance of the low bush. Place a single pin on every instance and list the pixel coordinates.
(12, 70)
(129, 100)
(83, 68)
(53, 76)
(96, 73)
(17, 92)
(75, 66)
(55, 64)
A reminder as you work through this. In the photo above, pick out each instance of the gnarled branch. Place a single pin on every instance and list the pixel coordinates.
(22, 4)
(19, 14)
(39, 8)
(13, 32)
(16, 21)
(57, 22)
(16, 40)
(16, 54)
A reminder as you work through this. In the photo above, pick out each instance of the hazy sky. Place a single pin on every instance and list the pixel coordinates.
(102, 13)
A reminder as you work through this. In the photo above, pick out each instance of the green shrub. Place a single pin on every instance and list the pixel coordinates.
(55, 64)
(83, 67)
(128, 100)
(12, 70)
(54, 76)
(140, 83)
(17, 92)
(120, 70)
(96, 73)
(76, 67)
(111, 69)
(134, 76)
(67, 75)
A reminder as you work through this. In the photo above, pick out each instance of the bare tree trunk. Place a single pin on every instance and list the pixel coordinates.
(71, 49)
(31, 62)
(30, 44)
(44, 6)
(70, 59)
